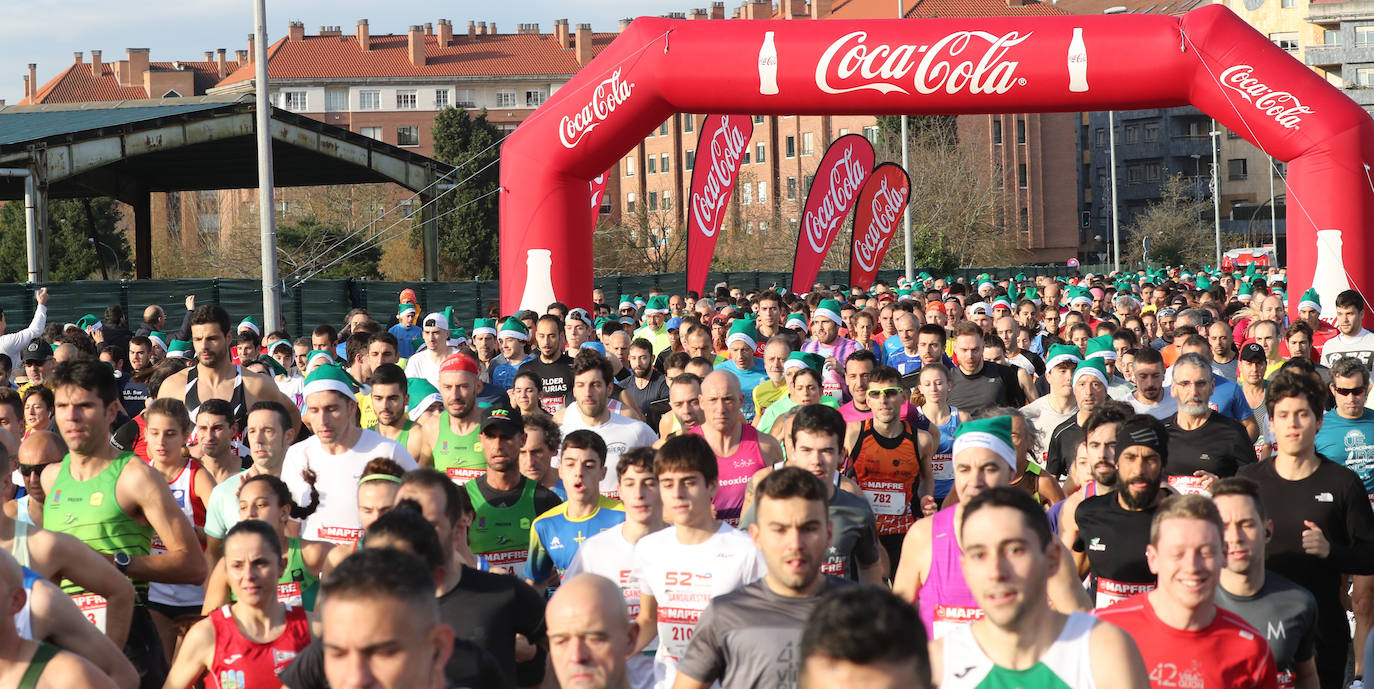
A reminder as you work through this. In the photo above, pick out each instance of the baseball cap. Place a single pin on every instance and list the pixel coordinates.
(504, 419)
(37, 350)
(1253, 353)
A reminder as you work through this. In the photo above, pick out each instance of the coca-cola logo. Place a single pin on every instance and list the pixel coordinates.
(598, 187)
(850, 64)
(845, 178)
(887, 205)
(606, 97)
(1282, 106)
(726, 150)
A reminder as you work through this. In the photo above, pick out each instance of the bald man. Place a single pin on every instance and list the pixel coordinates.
(38, 450)
(740, 449)
(590, 634)
(42, 664)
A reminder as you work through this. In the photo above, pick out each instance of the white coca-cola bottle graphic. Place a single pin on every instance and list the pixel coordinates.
(768, 66)
(1078, 63)
(1329, 278)
(538, 281)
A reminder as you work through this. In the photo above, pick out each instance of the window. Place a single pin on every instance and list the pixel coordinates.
(369, 100)
(1288, 40)
(791, 146)
(1100, 137)
(1134, 173)
(807, 148)
(689, 160)
(1020, 131)
(844, 130)
(1364, 77)
(759, 156)
(763, 226)
(1280, 169)
(1132, 134)
(1236, 168)
(744, 159)
(746, 193)
(467, 98)
(667, 200)
(336, 100)
(1151, 133)
(630, 167)
(505, 98)
(688, 122)
(663, 162)
(653, 200)
(763, 192)
(408, 136)
(1021, 175)
(997, 132)
(871, 133)
(294, 101)
(405, 99)
(998, 176)
(663, 128)
(1331, 37)
(630, 202)
(1025, 221)
(792, 188)
(373, 132)
(1153, 172)
(653, 165)
(758, 119)
(440, 99)
(807, 180)
(534, 98)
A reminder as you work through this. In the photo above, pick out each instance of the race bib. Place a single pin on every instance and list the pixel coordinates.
(886, 497)
(834, 566)
(506, 558)
(551, 403)
(290, 594)
(459, 475)
(93, 606)
(339, 535)
(1287, 679)
(1189, 485)
(950, 617)
(1111, 592)
(675, 630)
(941, 468)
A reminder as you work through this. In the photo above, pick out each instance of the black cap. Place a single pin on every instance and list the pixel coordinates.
(1146, 430)
(504, 419)
(1253, 353)
(37, 350)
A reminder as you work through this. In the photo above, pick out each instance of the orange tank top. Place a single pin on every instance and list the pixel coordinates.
(887, 470)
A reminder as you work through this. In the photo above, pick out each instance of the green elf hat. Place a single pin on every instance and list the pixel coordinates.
(743, 330)
(830, 309)
(1245, 292)
(160, 339)
(639, 301)
(1100, 347)
(1310, 300)
(1204, 283)
(626, 302)
(318, 357)
(797, 321)
(422, 395)
(514, 327)
(458, 335)
(88, 321)
(272, 364)
(923, 276)
(1003, 301)
(178, 349)
(248, 323)
(990, 434)
(904, 293)
(657, 304)
(1061, 354)
(331, 377)
(483, 326)
(1033, 294)
(404, 307)
(1092, 366)
(815, 362)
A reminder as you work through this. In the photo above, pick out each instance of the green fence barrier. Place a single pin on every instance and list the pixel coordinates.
(326, 301)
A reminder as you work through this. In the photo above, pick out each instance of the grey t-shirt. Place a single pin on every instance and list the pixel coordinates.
(749, 638)
(1285, 612)
(854, 536)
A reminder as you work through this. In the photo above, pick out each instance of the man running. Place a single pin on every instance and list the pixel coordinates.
(748, 369)
(425, 362)
(268, 434)
(863, 636)
(1185, 638)
(514, 339)
(1098, 453)
(506, 503)
(552, 364)
(390, 395)
(37, 664)
(592, 381)
(1205, 444)
(556, 535)
(1009, 557)
(452, 437)
(1286, 612)
(684, 405)
(1049, 410)
(1089, 391)
(976, 385)
(589, 637)
(646, 384)
(215, 432)
(826, 341)
(1150, 396)
(1351, 339)
(748, 637)
(740, 449)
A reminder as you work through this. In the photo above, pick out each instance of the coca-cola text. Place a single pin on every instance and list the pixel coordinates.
(727, 148)
(850, 64)
(887, 206)
(606, 97)
(1282, 106)
(820, 225)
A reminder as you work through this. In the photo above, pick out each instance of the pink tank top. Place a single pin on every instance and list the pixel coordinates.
(944, 600)
(735, 471)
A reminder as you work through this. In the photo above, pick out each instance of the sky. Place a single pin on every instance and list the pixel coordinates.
(47, 32)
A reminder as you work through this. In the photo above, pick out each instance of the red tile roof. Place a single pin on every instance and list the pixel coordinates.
(323, 57)
(879, 9)
(76, 84)
(1170, 7)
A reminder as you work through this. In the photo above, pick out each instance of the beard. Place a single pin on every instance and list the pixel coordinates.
(1141, 500)
(1107, 477)
(1193, 408)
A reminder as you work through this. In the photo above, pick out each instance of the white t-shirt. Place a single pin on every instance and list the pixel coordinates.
(684, 578)
(621, 433)
(1361, 346)
(1167, 407)
(1044, 419)
(293, 386)
(608, 554)
(424, 364)
(336, 518)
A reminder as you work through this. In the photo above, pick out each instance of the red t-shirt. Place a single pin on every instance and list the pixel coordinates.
(1227, 653)
(240, 663)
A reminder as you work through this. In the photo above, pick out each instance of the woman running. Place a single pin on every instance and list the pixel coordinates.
(245, 644)
(524, 394)
(38, 406)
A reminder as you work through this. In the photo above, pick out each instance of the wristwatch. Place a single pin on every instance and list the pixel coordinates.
(122, 561)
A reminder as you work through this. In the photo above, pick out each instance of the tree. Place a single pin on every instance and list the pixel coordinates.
(468, 213)
(308, 245)
(643, 242)
(1174, 226)
(84, 241)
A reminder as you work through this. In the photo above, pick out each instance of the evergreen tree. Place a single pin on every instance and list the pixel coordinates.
(72, 255)
(469, 223)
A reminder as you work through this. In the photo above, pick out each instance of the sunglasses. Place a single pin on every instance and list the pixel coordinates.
(1350, 391)
(28, 469)
(883, 392)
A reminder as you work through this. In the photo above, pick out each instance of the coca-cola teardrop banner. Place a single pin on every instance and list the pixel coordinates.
(598, 189)
(720, 148)
(876, 218)
(843, 169)
(1208, 58)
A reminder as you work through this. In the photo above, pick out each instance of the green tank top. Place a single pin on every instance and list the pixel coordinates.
(88, 511)
(298, 585)
(37, 664)
(404, 438)
(502, 534)
(459, 456)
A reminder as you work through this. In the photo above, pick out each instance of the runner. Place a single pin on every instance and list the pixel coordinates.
(863, 636)
(268, 434)
(1323, 525)
(390, 396)
(930, 573)
(37, 451)
(216, 438)
(1150, 397)
(405, 331)
(337, 452)
(646, 384)
(1351, 338)
(890, 460)
(748, 637)
(592, 381)
(748, 369)
(1096, 459)
(514, 340)
(40, 665)
(452, 438)
(551, 363)
(774, 387)
(691, 562)
(1185, 638)
(1090, 392)
(1009, 556)
(934, 388)
(976, 385)
(539, 454)
(1285, 611)
(907, 358)
(424, 362)
(740, 449)
(556, 535)
(1205, 444)
(246, 643)
(1054, 408)
(505, 502)
(826, 341)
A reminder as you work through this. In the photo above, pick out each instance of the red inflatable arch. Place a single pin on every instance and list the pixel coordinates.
(1208, 58)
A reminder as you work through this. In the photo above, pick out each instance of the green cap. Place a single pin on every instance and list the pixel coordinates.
(331, 377)
(829, 308)
(87, 321)
(1092, 366)
(514, 327)
(1101, 347)
(991, 434)
(178, 349)
(1061, 353)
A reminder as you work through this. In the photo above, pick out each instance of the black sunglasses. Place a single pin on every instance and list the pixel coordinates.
(1350, 391)
(28, 469)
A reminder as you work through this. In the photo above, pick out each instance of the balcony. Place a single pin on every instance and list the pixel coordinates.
(1364, 95)
(1328, 13)
(1354, 52)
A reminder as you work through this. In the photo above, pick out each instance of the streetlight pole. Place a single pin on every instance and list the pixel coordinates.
(906, 167)
(267, 223)
(1116, 220)
(1216, 193)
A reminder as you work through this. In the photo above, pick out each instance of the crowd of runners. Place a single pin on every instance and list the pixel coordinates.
(1141, 479)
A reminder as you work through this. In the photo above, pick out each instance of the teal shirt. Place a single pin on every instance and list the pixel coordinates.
(1349, 442)
(555, 538)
